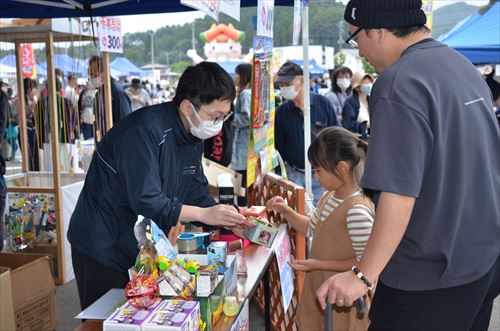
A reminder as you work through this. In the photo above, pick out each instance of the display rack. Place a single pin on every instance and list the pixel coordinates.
(271, 186)
(48, 31)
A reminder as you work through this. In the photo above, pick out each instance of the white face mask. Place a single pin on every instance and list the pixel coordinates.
(289, 92)
(5, 89)
(207, 129)
(366, 88)
(95, 82)
(343, 83)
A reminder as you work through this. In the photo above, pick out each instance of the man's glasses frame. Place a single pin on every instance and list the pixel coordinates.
(217, 120)
(351, 41)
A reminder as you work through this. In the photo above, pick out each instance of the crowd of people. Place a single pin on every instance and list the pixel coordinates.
(405, 175)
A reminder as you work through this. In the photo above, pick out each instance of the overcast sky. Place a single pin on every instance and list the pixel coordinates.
(138, 23)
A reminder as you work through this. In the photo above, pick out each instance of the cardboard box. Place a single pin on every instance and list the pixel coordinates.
(206, 280)
(49, 249)
(217, 255)
(28, 294)
(262, 232)
(127, 317)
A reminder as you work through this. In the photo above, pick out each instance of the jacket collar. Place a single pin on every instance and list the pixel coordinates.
(174, 121)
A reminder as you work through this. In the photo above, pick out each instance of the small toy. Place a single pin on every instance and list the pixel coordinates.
(163, 263)
(179, 279)
(180, 261)
(192, 266)
(231, 306)
(142, 291)
(217, 254)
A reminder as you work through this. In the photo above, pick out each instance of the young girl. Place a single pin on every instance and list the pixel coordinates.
(340, 226)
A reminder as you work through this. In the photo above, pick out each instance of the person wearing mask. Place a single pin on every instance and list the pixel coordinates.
(289, 123)
(86, 110)
(138, 96)
(121, 106)
(241, 123)
(355, 116)
(70, 92)
(434, 249)
(341, 89)
(150, 165)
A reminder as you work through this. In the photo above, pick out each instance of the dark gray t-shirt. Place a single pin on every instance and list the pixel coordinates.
(434, 137)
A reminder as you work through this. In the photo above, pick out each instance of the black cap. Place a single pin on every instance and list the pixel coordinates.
(287, 72)
(378, 14)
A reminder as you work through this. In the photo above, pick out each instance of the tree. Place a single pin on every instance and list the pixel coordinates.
(179, 67)
(339, 59)
(367, 66)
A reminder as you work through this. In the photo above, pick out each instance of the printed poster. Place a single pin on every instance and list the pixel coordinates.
(242, 323)
(283, 251)
(110, 34)
(297, 21)
(209, 7)
(265, 18)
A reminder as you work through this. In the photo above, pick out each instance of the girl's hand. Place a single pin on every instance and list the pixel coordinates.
(304, 265)
(277, 204)
(239, 230)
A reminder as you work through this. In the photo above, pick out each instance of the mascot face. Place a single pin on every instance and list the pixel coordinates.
(222, 50)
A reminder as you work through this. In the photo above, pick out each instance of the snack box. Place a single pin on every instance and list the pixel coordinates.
(174, 315)
(206, 280)
(178, 280)
(217, 255)
(255, 211)
(128, 318)
(230, 274)
(262, 232)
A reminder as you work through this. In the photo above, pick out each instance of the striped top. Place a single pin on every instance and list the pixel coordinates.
(359, 222)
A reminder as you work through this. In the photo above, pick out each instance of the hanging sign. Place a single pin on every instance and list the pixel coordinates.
(110, 34)
(297, 21)
(28, 60)
(209, 7)
(427, 6)
(231, 8)
(265, 18)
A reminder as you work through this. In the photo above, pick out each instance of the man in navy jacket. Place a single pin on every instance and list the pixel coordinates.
(149, 164)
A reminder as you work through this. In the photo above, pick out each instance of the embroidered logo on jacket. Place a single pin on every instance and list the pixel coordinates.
(190, 170)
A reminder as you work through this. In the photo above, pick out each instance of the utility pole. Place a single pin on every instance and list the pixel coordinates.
(193, 41)
(340, 42)
(152, 48)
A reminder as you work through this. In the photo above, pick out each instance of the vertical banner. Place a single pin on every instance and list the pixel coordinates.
(283, 252)
(28, 60)
(209, 7)
(110, 34)
(297, 21)
(329, 58)
(427, 6)
(265, 18)
(231, 8)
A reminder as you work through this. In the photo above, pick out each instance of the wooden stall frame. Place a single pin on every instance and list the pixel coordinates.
(19, 32)
(269, 289)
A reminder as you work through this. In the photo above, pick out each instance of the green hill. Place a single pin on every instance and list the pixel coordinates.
(447, 17)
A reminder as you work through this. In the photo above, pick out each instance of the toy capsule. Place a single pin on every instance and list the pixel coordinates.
(163, 263)
(192, 266)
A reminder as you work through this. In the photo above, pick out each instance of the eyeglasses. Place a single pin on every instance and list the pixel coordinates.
(351, 41)
(217, 120)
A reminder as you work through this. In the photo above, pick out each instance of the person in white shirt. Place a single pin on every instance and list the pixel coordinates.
(138, 96)
(70, 90)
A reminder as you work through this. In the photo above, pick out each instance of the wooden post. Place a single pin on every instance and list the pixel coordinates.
(21, 108)
(56, 167)
(106, 78)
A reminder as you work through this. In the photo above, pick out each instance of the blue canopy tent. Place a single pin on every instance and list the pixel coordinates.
(121, 67)
(478, 38)
(10, 61)
(314, 69)
(229, 66)
(68, 65)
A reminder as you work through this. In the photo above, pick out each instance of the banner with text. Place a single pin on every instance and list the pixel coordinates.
(265, 18)
(28, 60)
(209, 7)
(231, 8)
(110, 34)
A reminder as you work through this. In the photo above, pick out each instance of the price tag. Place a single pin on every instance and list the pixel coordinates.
(110, 34)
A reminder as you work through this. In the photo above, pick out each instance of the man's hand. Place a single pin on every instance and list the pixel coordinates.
(341, 289)
(221, 215)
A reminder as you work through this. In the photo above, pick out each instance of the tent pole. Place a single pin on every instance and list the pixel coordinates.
(307, 101)
(106, 74)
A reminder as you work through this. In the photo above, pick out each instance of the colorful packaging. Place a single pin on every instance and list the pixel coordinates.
(217, 255)
(262, 232)
(128, 318)
(255, 211)
(206, 280)
(174, 315)
(178, 279)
